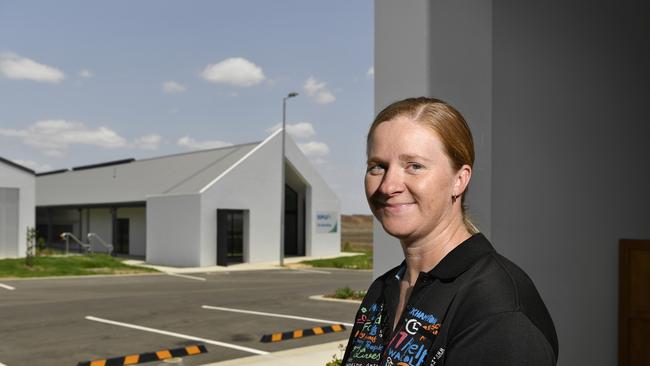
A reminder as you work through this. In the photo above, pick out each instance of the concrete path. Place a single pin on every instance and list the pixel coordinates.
(291, 262)
(317, 355)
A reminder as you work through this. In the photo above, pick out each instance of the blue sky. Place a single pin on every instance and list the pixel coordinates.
(83, 82)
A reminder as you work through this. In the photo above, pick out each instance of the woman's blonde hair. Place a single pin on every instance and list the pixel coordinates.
(446, 122)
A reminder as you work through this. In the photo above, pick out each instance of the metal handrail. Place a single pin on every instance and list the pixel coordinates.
(101, 241)
(67, 236)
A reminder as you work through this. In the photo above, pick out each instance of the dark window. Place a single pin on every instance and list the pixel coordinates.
(230, 236)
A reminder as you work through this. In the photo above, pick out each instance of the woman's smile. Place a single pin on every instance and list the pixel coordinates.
(396, 207)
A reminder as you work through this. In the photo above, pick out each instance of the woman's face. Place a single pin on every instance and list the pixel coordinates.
(410, 180)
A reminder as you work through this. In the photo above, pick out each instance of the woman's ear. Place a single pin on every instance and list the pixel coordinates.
(461, 181)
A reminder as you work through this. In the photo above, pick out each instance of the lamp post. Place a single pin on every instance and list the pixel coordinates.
(284, 131)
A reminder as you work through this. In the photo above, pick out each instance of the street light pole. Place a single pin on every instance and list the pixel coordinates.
(282, 180)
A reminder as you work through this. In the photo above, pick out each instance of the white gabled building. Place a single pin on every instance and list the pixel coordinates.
(196, 209)
(16, 208)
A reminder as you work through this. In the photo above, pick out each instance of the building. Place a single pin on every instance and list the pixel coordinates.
(556, 96)
(16, 208)
(195, 209)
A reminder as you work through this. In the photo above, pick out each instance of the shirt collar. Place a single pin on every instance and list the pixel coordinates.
(462, 257)
(455, 262)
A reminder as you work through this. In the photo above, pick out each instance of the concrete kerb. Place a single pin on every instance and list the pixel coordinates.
(290, 263)
(317, 355)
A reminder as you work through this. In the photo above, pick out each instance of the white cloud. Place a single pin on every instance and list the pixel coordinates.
(318, 91)
(314, 149)
(170, 87)
(37, 167)
(16, 67)
(53, 137)
(302, 130)
(85, 73)
(235, 71)
(371, 72)
(147, 142)
(191, 144)
(54, 153)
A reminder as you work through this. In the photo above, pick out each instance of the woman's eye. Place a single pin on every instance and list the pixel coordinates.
(415, 167)
(375, 169)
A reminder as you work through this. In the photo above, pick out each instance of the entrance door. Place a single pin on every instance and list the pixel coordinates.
(634, 303)
(122, 242)
(230, 237)
(290, 221)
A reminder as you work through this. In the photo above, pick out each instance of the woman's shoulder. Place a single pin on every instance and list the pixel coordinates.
(496, 286)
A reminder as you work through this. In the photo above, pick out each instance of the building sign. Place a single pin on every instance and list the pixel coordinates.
(327, 222)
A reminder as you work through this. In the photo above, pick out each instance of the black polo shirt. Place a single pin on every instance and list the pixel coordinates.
(474, 308)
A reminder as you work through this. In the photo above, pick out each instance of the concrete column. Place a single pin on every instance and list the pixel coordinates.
(440, 49)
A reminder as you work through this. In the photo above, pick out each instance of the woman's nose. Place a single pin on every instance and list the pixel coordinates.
(392, 182)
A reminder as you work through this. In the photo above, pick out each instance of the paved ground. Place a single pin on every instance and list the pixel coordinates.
(44, 322)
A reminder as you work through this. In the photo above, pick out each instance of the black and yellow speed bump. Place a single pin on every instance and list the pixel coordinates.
(277, 337)
(147, 357)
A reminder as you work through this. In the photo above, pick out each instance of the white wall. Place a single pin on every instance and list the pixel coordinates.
(254, 185)
(101, 223)
(173, 230)
(137, 228)
(12, 177)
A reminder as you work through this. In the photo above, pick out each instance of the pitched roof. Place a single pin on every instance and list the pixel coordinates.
(16, 165)
(133, 180)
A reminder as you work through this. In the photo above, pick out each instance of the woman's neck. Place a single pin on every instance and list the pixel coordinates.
(425, 253)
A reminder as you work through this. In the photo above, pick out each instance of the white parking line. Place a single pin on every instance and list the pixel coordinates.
(2, 364)
(276, 315)
(185, 276)
(8, 288)
(178, 335)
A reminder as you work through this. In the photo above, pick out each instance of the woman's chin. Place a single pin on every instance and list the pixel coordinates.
(396, 230)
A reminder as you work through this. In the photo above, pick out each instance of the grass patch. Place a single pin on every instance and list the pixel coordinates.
(77, 265)
(362, 261)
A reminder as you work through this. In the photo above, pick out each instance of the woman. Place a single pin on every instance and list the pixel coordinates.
(453, 300)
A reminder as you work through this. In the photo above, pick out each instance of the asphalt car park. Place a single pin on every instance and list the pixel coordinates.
(65, 321)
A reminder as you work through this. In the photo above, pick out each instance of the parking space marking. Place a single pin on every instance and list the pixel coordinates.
(275, 315)
(178, 335)
(185, 276)
(8, 288)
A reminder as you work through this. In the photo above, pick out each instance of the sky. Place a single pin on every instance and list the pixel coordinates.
(84, 82)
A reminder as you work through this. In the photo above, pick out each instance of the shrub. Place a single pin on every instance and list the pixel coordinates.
(347, 293)
(344, 292)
